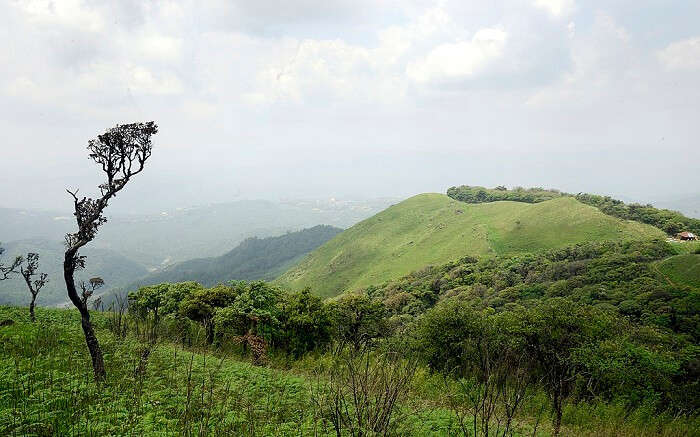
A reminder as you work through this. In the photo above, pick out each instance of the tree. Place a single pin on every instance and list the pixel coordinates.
(305, 322)
(7, 270)
(201, 306)
(357, 319)
(556, 332)
(121, 152)
(35, 285)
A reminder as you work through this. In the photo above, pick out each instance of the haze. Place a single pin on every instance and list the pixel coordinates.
(351, 99)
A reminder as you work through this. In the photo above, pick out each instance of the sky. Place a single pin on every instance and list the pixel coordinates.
(351, 99)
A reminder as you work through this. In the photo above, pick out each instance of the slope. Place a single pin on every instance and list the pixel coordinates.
(434, 229)
(681, 269)
(255, 258)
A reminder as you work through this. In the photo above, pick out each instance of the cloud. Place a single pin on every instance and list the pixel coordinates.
(460, 59)
(557, 8)
(681, 55)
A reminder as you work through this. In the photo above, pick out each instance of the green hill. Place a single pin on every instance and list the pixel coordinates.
(434, 229)
(682, 269)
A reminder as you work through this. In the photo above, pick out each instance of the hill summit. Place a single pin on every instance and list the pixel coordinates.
(430, 229)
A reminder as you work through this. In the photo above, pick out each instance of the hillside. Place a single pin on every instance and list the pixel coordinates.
(255, 258)
(434, 229)
(115, 269)
(682, 269)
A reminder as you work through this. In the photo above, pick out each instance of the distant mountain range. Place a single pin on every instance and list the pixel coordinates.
(128, 248)
(115, 269)
(255, 258)
(158, 240)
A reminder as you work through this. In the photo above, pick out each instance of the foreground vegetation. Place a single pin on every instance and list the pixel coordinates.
(162, 387)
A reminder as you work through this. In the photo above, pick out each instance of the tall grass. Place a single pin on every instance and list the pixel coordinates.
(176, 385)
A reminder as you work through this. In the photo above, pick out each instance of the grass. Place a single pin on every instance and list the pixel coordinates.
(434, 229)
(681, 269)
(46, 388)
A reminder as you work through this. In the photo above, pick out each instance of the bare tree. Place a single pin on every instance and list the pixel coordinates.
(89, 288)
(34, 285)
(7, 270)
(121, 152)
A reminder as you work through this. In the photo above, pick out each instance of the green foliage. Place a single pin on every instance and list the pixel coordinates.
(306, 323)
(357, 320)
(476, 194)
(253, 310)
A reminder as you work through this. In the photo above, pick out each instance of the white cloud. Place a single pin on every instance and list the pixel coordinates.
(161, 47)
(681, 55)
(460, 59)
(557, 8)
(68, 13)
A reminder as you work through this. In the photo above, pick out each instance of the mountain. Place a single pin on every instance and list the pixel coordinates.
(255, 258)
(168, 237)
(431, 229)
(115, 269)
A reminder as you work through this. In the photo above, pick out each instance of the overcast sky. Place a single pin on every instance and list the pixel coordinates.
(351, 98)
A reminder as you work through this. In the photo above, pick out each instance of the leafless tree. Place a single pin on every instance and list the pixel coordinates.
(7, 270)
(89, 288)
(34, 285)
(362, 391)
(121, 152)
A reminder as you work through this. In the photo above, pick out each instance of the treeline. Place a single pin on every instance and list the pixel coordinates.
(672, 222)
(669, 221)
(476, 194)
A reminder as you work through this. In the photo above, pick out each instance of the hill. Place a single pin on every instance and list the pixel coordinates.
(115, 269)
(434, 229)
(255, 258)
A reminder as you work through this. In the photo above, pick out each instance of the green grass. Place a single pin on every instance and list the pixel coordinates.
(433, 229)
(681, 269)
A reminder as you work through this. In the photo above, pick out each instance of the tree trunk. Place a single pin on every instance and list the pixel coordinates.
(31, 309)
(557, 412)
(98, 365)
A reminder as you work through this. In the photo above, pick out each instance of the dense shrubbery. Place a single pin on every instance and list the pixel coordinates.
(241, 312)
(649, 326)
(595, 320)
(671, 222)
(476, 194)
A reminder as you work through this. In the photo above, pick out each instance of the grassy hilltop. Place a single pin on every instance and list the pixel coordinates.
(434, 229)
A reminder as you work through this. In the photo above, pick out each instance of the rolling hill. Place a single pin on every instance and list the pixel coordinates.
(433, 229)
